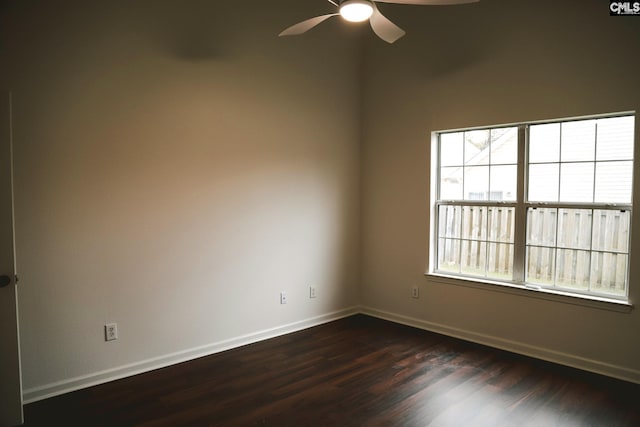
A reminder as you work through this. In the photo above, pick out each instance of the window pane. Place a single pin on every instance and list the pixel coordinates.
(476, 147)
(540, 265)
(574, 228)
(451, 149)
(503, 183)
(500, 262)
(578, 140)
(501, 224)
(615, 138)
(609, 273)
(541, 226)
(544, 143)
(449, 255)
(544, 182)
(476, 183)
(474, 257)
(449, 219)
(611, 230)
(451, 183)
(576, 182)
(504, 146)
(572, 269)
(614, 182)
(474, 222)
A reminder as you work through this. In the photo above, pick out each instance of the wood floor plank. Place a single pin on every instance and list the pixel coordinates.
(358, 371)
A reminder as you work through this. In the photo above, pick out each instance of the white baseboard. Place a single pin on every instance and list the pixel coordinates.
(619, 372)
(49, 390)
(53, 389)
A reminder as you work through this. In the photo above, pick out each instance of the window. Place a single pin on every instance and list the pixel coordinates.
(546, 205)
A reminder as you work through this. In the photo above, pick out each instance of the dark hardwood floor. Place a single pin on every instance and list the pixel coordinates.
(357, 371)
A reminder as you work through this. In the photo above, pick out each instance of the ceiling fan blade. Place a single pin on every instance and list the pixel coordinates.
(385, 29)
(304, 26)
(428, 2)
(333, 3)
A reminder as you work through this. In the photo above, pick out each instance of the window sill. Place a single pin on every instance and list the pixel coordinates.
(540, 293)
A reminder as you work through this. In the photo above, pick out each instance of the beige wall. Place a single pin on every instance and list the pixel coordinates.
(489, 63)
(177, 166)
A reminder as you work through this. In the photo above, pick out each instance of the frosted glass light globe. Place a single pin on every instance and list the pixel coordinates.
(356, 10)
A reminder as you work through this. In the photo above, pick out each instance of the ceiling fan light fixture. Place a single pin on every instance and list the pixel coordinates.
(356, 10)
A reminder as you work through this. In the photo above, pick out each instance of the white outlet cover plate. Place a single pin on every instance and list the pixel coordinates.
(111, 331)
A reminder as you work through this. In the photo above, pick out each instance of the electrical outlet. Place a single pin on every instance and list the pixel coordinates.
(415, 292)
(312, 292)
(110, 331)
(283, 297)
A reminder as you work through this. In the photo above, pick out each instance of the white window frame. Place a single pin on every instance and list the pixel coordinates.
(521, 205)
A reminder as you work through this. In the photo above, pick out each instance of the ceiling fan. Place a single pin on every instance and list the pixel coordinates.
(362, 10)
